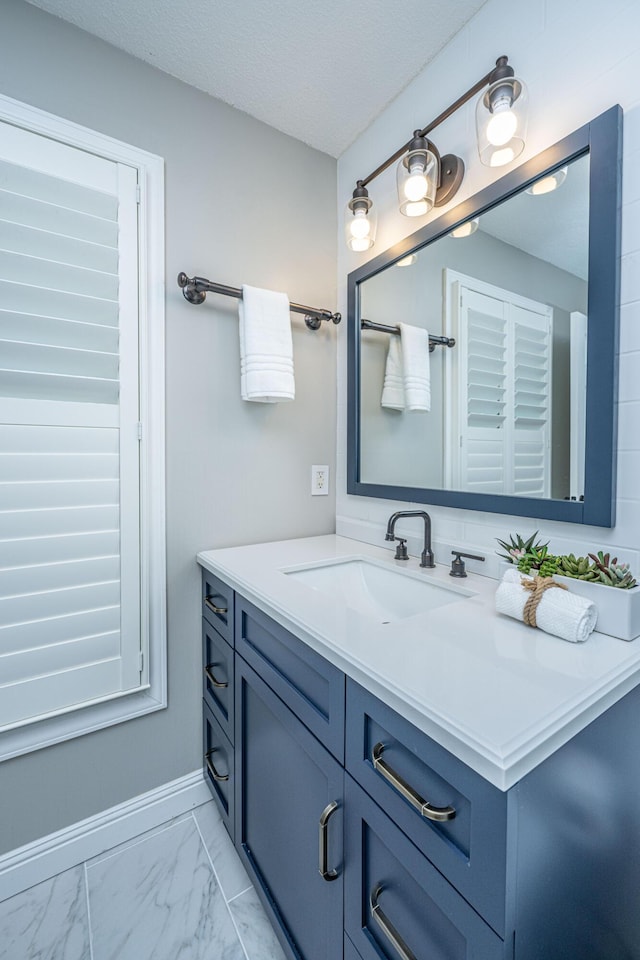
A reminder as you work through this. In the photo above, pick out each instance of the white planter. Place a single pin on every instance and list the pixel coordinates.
(618, 610)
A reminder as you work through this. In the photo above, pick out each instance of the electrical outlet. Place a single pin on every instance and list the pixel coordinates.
(319, 480)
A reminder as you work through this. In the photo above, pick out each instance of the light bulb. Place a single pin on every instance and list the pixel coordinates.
(415, 186)
(500, 157)
(502, 125)
(416, 209)
(359, 226)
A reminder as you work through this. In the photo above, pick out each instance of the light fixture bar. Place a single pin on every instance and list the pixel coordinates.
(471, 92)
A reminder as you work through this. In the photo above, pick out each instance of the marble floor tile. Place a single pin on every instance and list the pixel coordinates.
(226, 862)
(159, 900)
(140, 838)
(48, 921)
(256, 933)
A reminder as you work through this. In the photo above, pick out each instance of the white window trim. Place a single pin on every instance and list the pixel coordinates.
(78, 721)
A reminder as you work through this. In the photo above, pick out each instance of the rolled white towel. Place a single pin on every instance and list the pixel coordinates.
(559, 612)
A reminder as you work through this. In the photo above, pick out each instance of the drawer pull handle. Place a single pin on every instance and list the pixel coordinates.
(388, 928)
(323, 853)
(214, 609)
(218, 777)
(424, 808)
(212, 680)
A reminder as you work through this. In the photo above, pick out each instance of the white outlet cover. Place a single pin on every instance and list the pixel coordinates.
(319, 480)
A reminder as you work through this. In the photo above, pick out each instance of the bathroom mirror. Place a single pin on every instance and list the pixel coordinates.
(501, 394)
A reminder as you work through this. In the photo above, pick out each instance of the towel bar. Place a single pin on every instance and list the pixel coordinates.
(395, 331)
(195, 290)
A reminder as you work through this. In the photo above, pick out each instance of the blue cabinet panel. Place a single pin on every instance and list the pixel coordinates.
(395, 899)
(310, 686)
(286, 782)
(219, 767)
(217, 604)
(217, 659)
(470, 847)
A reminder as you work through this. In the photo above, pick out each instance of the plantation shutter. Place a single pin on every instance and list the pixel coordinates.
(69, 458)
(504, 392)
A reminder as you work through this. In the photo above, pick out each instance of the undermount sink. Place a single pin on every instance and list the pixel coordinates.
(376, 589)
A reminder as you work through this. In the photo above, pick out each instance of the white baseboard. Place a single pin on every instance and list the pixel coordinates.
(24, 867)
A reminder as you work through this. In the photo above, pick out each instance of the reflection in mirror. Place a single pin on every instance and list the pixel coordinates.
(502, 411)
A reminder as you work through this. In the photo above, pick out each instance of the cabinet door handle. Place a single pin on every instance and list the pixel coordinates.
(424, 808)
(210, 677)
(208, 602)
(323, 853)
(218, 777)
(387, 927)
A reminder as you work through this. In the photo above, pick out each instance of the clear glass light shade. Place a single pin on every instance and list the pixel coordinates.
(501, 122)
(417, 179)
(360, 223)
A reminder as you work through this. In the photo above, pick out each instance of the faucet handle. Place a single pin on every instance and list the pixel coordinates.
(458, 565)
(401, 550)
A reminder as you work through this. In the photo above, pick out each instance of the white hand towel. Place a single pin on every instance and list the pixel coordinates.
(266, 346)
(559, 612)
(393, 387)
(407, 379)
(415, 364)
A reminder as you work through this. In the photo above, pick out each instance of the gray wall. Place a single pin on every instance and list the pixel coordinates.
(408, 448)
(236, 472)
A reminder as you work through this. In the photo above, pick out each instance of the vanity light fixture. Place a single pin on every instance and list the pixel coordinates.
(501, 117)
(549, 183)
(407, 261)
(466, 229)
(424, 178)
(360, 220)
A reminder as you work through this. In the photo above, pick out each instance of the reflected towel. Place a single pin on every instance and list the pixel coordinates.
(393, 388)
(407, 378)
(266, 346)
(559, 612)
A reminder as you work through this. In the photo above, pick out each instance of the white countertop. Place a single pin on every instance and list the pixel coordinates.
(494, 692)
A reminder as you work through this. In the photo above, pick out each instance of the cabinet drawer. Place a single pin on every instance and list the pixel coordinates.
(217, 604)
(219, 769)
(395, 899)
(310, 686)
(454, 816)
(217, 659)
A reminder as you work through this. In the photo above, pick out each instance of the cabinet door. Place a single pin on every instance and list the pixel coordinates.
(288, 832)
(397, 905)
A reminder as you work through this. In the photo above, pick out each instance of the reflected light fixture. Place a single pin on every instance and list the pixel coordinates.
(407, 261)
(425, 179)
(466, 229)
(549, 183)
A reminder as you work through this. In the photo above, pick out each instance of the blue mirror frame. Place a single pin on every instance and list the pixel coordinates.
(602, 140)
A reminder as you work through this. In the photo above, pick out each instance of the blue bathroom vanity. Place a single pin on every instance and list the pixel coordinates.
(421, 779)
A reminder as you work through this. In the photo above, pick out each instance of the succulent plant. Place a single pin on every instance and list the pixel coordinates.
(578, 568)
(538, 558)
(612, 573)
(517, 548)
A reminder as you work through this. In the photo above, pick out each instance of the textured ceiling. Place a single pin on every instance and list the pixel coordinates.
(319, 70)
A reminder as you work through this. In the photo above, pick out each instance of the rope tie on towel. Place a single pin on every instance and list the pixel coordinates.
(537, 588)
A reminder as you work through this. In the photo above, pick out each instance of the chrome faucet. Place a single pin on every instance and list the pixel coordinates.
(401, 550)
